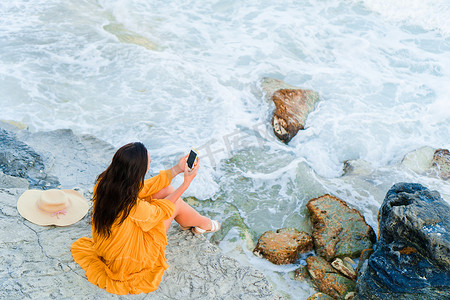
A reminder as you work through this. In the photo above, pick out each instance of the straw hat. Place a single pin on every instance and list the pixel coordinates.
(52, 207)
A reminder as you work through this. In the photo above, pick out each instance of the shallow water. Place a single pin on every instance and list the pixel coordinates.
(184, 73)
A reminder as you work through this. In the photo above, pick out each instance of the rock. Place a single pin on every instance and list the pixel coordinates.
(12, 123)
(20, 160)
(292, 106)
(76, 160)
(36, 263)
(327, 279)
(200, 271)
(344, 267)
(43, 157)
(7, 181)
(338, 230)
(357, 167)
(320, 296)
(419, 160)
(301, 274)
(350, 296)
(441, 162)
(426, 159)
(365, 254)
(231, 219)
(349, 260)
(125, 35)
(283, 246)
(412, 256)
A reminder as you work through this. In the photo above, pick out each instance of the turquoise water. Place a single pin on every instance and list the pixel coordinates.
(177, 74)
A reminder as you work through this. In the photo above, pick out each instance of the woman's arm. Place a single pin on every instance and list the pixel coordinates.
(180, 167)
(188, 177)
(175, 170)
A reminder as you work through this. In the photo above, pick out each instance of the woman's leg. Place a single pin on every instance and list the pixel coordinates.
(184, 214)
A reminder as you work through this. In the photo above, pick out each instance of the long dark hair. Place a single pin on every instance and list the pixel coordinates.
(118, 187)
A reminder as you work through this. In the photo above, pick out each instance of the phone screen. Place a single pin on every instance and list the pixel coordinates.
(191, 159)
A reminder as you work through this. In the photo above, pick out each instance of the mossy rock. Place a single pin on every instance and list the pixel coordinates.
(229, 218)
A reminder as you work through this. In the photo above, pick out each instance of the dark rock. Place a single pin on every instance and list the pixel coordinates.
(44, 157)
(20, 160)
(292, 106)
(327, 279)
(283, 246)
(412, 256)
(441, 162)
(338, 230)
(365, 254)
(76, 160)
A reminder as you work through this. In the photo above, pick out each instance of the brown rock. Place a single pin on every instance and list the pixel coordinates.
(283, 246)
(301, 274)
(441, 161)
(345, 268)
(327, 279)
(338, 230)
(292, 106)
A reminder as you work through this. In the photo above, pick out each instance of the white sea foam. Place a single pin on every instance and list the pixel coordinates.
(429, 14)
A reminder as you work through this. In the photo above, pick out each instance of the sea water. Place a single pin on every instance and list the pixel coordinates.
(181, 74)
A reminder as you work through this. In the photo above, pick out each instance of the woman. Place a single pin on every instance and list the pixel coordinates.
(129, 223)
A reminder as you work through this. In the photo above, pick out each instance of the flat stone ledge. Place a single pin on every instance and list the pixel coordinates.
(35, 262)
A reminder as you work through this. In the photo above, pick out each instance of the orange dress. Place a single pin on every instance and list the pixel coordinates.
(131, 260)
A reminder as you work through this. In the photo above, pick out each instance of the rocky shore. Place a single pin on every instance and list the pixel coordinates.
(345, 259)
(410, 259)
(35, 261)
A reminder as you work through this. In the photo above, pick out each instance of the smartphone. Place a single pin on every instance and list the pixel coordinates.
(191, 159)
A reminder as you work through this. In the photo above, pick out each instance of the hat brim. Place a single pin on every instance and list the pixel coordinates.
(28, 208)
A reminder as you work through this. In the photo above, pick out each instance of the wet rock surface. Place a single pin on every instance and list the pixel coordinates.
(338, 230)
(327, 279)
(292, 106)
(419, 160)
(283, 246)
(20, 160)
(75, 159)
(7, 181)
(429, 160)
(441, 162)
(412, 256)
(363, 257)
(35, 261)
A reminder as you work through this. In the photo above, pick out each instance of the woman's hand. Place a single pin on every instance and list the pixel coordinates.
(190, 174)
(179, 167)
(182, 163)
(188, 177)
